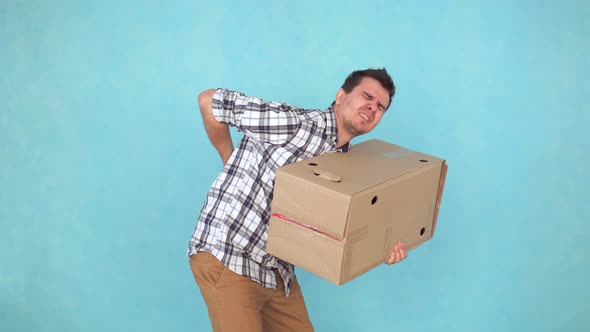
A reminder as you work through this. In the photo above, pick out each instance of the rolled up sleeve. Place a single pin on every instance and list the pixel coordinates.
(265, 121)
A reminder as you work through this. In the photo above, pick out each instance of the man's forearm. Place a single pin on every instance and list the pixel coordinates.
(218, 132)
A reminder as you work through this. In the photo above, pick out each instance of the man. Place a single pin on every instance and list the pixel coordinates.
(245, 288)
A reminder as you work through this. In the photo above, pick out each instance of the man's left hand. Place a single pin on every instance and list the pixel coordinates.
(399, 254)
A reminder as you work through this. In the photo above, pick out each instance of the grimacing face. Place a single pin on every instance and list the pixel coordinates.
(360, 110)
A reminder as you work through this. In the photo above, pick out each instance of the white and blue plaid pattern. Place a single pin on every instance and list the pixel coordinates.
(234, 219)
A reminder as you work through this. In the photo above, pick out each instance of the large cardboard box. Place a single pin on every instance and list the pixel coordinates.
(339, 215)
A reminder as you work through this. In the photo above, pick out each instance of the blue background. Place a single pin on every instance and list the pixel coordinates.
(105, 163)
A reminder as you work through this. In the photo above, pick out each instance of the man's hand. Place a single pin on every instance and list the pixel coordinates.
(399, 254)
(218, 132)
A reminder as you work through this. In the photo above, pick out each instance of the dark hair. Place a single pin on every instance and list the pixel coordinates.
(380, 75)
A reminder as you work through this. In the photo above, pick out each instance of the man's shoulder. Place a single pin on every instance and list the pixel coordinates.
(309, 114)
(304, 114)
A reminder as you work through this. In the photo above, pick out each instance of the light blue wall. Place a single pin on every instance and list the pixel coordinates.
(104, 162)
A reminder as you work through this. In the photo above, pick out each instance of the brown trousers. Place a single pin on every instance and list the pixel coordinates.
(236, 303)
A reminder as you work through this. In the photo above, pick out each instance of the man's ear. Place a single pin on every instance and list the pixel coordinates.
(339, 96)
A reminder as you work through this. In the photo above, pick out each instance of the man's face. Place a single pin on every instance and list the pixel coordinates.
(360, 110)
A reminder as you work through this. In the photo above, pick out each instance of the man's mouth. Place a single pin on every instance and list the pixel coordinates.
(365, 117)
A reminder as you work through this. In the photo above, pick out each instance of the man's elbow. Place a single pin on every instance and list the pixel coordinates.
(206, 98)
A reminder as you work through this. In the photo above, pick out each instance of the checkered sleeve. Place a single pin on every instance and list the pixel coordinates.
(265, 121)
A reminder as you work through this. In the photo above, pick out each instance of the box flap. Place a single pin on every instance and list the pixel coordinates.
(366, 164)
(310, 203)
(306, 249)
(441, 187)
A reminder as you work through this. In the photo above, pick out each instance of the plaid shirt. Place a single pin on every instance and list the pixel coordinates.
(234, 219)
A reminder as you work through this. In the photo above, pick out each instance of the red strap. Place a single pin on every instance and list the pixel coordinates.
(278, 215)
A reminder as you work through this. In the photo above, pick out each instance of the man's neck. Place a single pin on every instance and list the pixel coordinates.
(344, 137)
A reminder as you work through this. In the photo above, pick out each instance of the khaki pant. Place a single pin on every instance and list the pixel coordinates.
(236, 303)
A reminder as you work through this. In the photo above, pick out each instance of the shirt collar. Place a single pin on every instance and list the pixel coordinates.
(332, 129)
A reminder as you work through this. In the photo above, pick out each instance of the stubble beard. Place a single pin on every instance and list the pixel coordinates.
(352, 129)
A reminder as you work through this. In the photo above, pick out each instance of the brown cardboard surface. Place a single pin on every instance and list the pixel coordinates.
(339, 215)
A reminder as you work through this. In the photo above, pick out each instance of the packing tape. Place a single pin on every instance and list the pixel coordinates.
(358, 235)
(388, 244)
(346, 262)
(399, 153)
(353, 237)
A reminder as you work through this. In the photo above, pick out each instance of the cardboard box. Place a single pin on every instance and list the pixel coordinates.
(339, 215)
